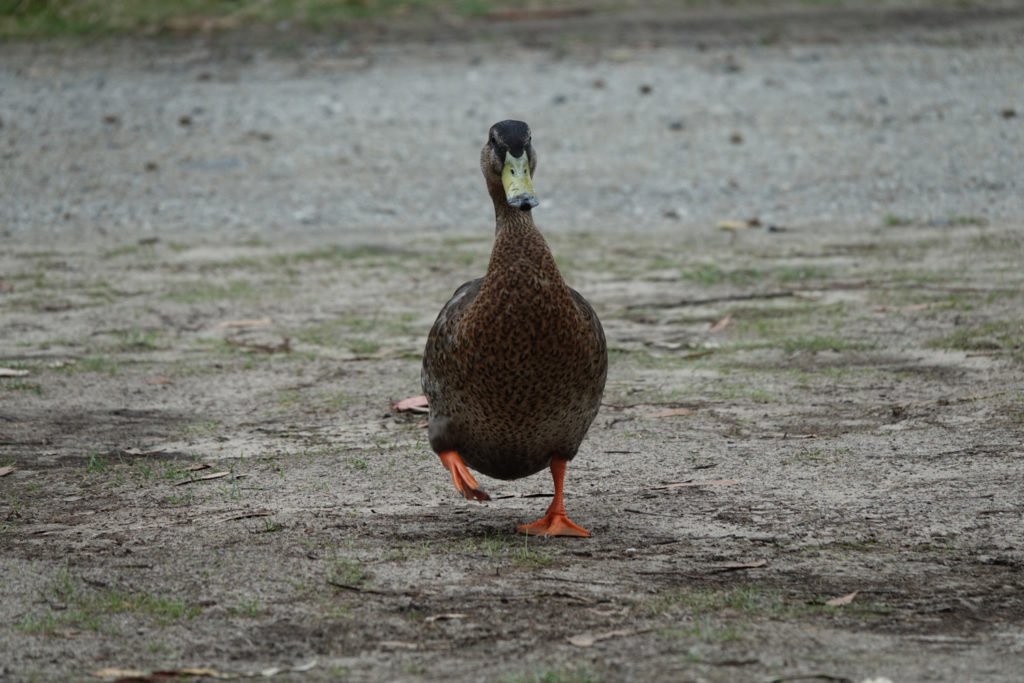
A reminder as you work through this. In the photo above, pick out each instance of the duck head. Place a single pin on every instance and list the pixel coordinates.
(508, 163)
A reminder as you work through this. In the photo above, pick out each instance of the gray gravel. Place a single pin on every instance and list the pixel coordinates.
(361, 142)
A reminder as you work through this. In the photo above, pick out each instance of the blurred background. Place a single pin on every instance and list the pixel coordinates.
(363, 118)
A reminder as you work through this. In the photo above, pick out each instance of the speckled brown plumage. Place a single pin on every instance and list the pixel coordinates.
(515, 364)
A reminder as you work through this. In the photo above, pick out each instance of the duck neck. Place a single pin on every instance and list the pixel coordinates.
(512, 220)
(519, 248)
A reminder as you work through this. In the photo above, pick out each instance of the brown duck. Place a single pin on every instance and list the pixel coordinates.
(515, 364)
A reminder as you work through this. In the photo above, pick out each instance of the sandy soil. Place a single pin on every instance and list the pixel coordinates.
(220, 262)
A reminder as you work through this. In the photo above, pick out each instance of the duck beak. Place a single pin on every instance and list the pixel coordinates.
(516, 180)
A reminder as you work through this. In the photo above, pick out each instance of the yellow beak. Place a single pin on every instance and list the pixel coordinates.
(516, 179)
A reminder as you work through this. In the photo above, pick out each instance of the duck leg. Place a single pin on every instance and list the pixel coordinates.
(555, 522)
(463, 480)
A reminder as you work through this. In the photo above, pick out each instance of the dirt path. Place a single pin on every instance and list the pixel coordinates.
(221, 262)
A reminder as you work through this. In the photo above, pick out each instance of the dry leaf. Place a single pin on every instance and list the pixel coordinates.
(198, 466)
(446, 617)
(209, 673)
(139, 451)
(671, 412)
(159, 380)
(588, 640)
(252, 322)
(11, 372)
(118, 673)
(399, 645)
(720, 325)
(7, 469)
(732, 225)
(678, 484)
(416, 404)
(844, 600)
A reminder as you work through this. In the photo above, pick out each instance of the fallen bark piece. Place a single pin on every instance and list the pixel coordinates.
(721, 324)
(589, 640)
(840, 601)
(112, 672)
(251, 322)
(11, 372)
(139, 451)
(6, 469)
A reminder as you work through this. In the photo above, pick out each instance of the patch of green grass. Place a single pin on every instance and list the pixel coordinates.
(817, 343)
(97, 463)
(516, 549)
(126, 249)
(798, 273)
(347, 572)
(338, 254)
(163, 609)
(74, 606)
(530, 558)
(710, 274)
(362, 345)
(246, 607)
(19, 384)
(359, 334)
(705, 628)
(201, 429)
(355, 463)
(137, 339)
(892, 220)
(99, 364)
(91, 17)
(205, 292)
(335, 401)
(562, 675)
(744, 598)
(647, 360)
(968, 220)
(269, 527)
(994, 335)
(186, 498)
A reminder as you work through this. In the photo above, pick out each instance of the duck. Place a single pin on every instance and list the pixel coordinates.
(515, 364)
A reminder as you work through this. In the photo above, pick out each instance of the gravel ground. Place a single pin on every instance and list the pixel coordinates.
(221, 255)
(351, 139)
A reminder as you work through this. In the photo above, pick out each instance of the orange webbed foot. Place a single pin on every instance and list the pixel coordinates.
(463, 480)
(555, 522)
